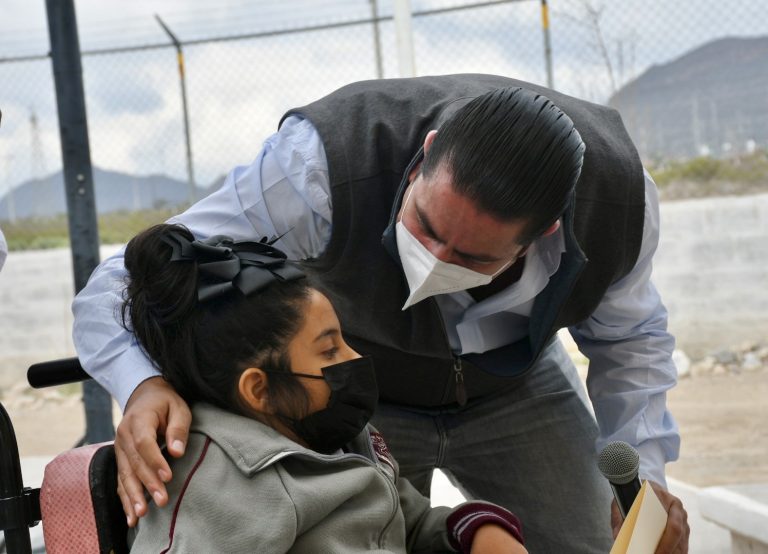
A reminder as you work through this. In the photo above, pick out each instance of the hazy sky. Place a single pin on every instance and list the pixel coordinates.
(108, 22)
(237, 90)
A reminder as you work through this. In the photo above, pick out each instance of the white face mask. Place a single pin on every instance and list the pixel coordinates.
(427, 275)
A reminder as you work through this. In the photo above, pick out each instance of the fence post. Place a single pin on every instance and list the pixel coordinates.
(376, 39)
(183, 79)
(78, 183)
(404, 32)
(547, 43)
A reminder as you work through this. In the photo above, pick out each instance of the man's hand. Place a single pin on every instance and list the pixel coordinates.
(494, 539)
(154, 407)
(675, 537)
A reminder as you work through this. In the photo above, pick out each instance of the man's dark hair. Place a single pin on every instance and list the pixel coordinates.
(512, 152)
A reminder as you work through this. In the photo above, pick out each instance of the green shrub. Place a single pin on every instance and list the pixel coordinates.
(748, 169)
(114, 228)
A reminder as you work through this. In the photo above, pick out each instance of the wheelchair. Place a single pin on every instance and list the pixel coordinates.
(77, 501)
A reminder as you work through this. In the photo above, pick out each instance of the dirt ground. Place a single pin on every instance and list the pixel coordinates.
(724, 426)
(723, 421)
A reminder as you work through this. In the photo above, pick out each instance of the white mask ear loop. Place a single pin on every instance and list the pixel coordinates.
(504, 267)
(405, 204)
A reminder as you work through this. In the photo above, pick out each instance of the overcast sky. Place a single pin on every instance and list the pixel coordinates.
(237, 90)
(105, 23)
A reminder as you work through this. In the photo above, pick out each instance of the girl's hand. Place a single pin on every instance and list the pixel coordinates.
(494, 539)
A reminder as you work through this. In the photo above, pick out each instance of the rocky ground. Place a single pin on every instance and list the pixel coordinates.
(721, 404)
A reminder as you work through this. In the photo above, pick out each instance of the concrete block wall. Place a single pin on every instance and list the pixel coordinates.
(712, 271)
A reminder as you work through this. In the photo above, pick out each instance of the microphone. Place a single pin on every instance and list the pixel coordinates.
(619, 463)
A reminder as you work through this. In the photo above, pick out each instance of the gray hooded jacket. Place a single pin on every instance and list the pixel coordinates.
(243, 487)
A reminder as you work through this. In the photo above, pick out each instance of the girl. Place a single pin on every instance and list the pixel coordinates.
(280, 457)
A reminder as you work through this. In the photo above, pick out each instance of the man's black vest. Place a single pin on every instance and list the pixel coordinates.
(371, 131)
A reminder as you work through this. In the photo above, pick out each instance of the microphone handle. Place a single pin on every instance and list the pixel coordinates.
(625, 495)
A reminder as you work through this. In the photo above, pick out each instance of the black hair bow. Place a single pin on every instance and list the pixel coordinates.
(224, 265)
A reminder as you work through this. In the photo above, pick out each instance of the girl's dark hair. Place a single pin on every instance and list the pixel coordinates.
(202, 348)
(514, 153)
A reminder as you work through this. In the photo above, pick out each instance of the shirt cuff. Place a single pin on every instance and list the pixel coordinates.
(121, 374)
(464, 521)
(652, 461)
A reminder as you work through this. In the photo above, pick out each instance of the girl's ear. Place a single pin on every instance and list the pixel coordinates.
(253, 389)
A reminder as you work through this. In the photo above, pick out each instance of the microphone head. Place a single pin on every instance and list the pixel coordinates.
(619, 462)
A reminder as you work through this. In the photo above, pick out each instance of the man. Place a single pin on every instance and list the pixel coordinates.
(456, 223)
(3, 249)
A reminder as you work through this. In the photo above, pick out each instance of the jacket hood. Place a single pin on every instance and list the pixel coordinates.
(251, 445)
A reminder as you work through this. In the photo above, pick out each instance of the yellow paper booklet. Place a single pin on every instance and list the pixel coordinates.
(642, 528)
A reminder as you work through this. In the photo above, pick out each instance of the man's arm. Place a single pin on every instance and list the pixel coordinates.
(630, 359)
(630, 370)
(283, 192)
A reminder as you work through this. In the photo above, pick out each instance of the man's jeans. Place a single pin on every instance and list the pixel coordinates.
(530, 450)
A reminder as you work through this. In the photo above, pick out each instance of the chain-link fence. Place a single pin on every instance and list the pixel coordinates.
(688, 76)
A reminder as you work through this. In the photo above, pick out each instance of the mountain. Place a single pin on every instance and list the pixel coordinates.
(114, 191)
(711, 100)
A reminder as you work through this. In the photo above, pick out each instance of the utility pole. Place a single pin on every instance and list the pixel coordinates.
(376, 39)
(182, 77)
(404, 32)
(78, 183)
(36, 158)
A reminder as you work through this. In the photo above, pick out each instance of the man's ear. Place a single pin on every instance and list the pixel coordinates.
(427, 144)
(552, 228)
(254, 390)
(429, 140)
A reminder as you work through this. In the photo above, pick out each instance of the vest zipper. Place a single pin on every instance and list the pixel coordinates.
(458, 373)
(461, 390)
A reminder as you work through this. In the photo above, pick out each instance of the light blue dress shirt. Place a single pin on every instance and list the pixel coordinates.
(286, 191)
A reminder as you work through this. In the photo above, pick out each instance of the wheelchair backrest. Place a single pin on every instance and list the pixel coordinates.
(79, 504)
(78, 499)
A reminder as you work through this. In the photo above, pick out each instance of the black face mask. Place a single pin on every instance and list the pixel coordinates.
(354, 395)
